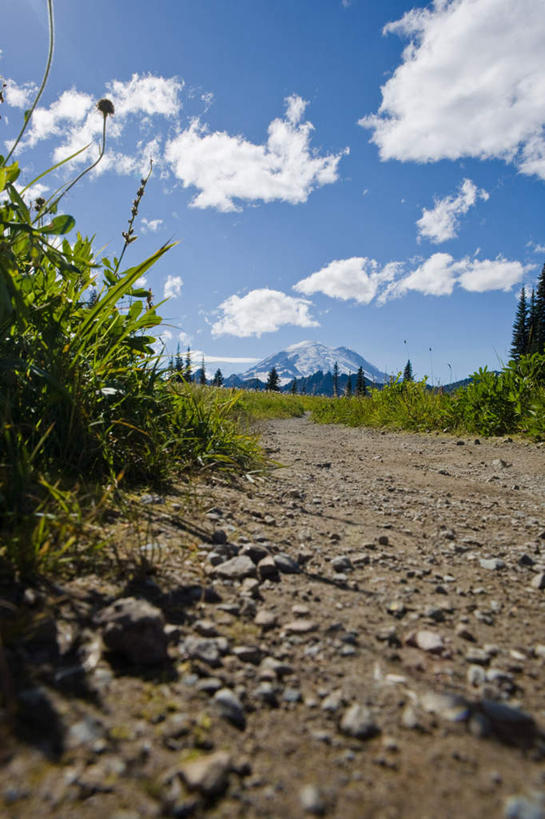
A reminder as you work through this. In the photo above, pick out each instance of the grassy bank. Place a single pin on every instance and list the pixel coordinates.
(509, 402)
(85, 409)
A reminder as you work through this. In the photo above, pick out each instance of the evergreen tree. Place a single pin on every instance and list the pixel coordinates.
(540, 312)
(361, 388)
(187, 367)
(202, 374)
(294, 387)
(408, 372)
(520, 328)
(272, 381)
(335, 380)
(348, 388)
(533, 332)
(217, 381)
(178, 364)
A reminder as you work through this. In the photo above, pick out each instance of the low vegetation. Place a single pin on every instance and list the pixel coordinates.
(512, 401)
(84, 405)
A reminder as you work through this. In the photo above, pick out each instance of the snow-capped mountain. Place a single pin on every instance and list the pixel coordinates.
(307, 357)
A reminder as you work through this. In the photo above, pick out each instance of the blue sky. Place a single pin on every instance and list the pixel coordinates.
(363, 174)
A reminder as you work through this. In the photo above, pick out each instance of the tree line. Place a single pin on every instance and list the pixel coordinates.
(529, 324)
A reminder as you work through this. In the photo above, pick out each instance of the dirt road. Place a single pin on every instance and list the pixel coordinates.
(374, 645)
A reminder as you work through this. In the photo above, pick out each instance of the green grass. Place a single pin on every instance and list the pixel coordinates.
(512, 401)
(84, 405)
(263, 405)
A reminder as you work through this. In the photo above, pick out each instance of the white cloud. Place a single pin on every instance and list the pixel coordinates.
(20, 96)
(261, 311)
(536, 247)
(442, 221)
(492, 274)
(172, 287)
(184, 338)
(151, 225)
(357, 278)
(226, 168)
(440, 273)
(219, 359)
(73, 120)
(471, 83)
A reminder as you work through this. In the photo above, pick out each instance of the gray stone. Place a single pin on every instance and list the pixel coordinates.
(135, 629)
(409, 718)
(463, 632)
(250, 587)
(522, 807)
(451, 707)
(276, 667)
(333, 702)
(176, 726)
(342, 564)
(206, 628)
(478, 656)
(311, 800)
(510, 724)
(267, 569)
(292, 695)
(209, 685)
(236, 569)
(429, 641)
(286, 564)
(538, 581)
(493, 564)
(255, 552)
(358, 722)
(248, 654)
(230, 707)
(266, 619)
(301, 626)
(208, 775)
(266, 692)
(205, 649)
(84, 732)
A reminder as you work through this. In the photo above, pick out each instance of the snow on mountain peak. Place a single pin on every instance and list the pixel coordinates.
(308, 357)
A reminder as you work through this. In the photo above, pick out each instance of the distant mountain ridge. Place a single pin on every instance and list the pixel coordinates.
(308, 358)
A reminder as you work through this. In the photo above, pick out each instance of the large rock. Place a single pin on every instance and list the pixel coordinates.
(230, 707)
(358, 722)
(236, 569)
(208, 775)
(134, 629)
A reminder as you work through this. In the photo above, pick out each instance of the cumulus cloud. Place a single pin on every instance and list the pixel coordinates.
(150, 225)
(535, 247)
(442, 221)
(73, 121)
(20, 96)
(229, 169)
(440, 273)
(261, 311)
(172, 287)
(471, 83)
(357, 278)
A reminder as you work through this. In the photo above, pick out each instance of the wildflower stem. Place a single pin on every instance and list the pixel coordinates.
(28, 114)
(128, 235)
(85, 171)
